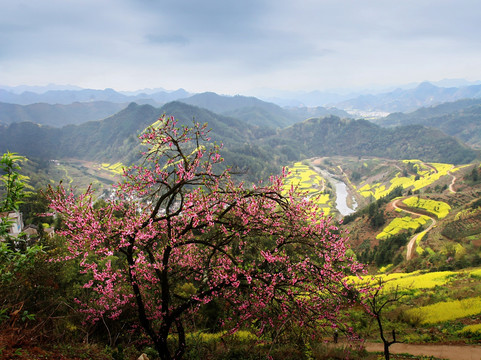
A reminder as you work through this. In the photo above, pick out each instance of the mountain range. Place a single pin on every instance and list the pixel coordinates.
(401, 99)
(86, 95)
(461, 119)
(259, 137)
(248, 109)
(256, 150)
(406, 100)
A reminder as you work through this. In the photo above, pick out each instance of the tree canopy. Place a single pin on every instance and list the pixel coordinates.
(181, 233)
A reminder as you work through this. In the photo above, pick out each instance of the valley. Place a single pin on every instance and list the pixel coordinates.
(407, 196)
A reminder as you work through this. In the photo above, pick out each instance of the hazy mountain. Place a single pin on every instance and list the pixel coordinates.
(461, 119)
(289, 98)
(38, 89)
(257, 112)
(88, 95)
(399, 100)
(58, 115)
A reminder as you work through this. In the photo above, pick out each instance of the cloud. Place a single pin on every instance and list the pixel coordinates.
(234, 45)
(167, 39)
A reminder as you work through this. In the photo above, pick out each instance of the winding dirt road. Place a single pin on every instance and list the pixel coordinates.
(451, 352)
(451, 186)
(411, 248)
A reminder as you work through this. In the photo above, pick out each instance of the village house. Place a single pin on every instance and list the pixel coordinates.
(16, 220)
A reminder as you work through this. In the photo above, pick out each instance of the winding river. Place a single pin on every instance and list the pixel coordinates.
(341, 198)
(341, 193)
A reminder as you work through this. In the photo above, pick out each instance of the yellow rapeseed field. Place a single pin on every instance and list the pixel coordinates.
(399, 224)
(427, 174)
(437, 208)
(475, 328)
(414, 280)
(310, 182)
(447, 310)
(117, 168)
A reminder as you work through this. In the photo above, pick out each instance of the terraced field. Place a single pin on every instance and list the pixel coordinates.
(438, 208)
(313, 185)
(399, 224)
(426, 174)
(117, 168)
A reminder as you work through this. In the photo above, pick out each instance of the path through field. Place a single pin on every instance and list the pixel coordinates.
(451, 352)
(412, 242)
(451, 186)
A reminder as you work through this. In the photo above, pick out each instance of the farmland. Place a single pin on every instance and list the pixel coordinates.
(438, 208)
(421, 176)
(313, 185)
(399, 224)
(116, 168)
(434, 306)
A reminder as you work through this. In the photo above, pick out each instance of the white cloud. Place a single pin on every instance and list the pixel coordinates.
(231, 46)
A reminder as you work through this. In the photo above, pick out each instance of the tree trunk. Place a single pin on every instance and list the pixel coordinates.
(162, 348)
(386, 350)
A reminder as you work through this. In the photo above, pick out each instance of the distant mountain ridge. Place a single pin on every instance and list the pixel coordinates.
(399, 100)
(257, 112)
(86, 95)
(58, 115)
(461, 119)
(331, 135)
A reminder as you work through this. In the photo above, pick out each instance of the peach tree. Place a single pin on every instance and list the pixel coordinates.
(181, 233)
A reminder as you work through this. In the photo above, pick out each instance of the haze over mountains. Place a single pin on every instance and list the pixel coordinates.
(402, 99)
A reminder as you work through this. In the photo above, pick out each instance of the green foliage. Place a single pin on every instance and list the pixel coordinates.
(331, 136)
(13, 184)
(373, 209)
(384, 253)
(58, 115)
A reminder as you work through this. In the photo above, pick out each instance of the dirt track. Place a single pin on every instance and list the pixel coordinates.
(451, 352)
(411, 248)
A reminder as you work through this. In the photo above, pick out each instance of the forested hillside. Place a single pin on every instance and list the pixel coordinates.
(461, 119)
(331, 136)
(256, 151)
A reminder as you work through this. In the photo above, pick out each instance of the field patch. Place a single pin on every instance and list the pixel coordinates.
(313, 185)
(425, 175)
(438, 208)
(408, 281)
(447, 310)
(400, 224)
(117, 168)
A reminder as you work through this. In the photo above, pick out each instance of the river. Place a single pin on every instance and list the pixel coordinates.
(341, 193)
(341, 198)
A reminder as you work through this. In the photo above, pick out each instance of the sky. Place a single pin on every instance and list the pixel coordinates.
(238, 47)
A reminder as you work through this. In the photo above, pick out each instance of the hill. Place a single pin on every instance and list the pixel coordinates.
(254, 151)
(399, 100)
(257, 112)
(114, 139)
(410, 215)
(460, 119)
(58, 115)
(330, 136)
(88, 95)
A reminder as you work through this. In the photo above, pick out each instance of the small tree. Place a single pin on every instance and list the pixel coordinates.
(180, 235)
(377, 303)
